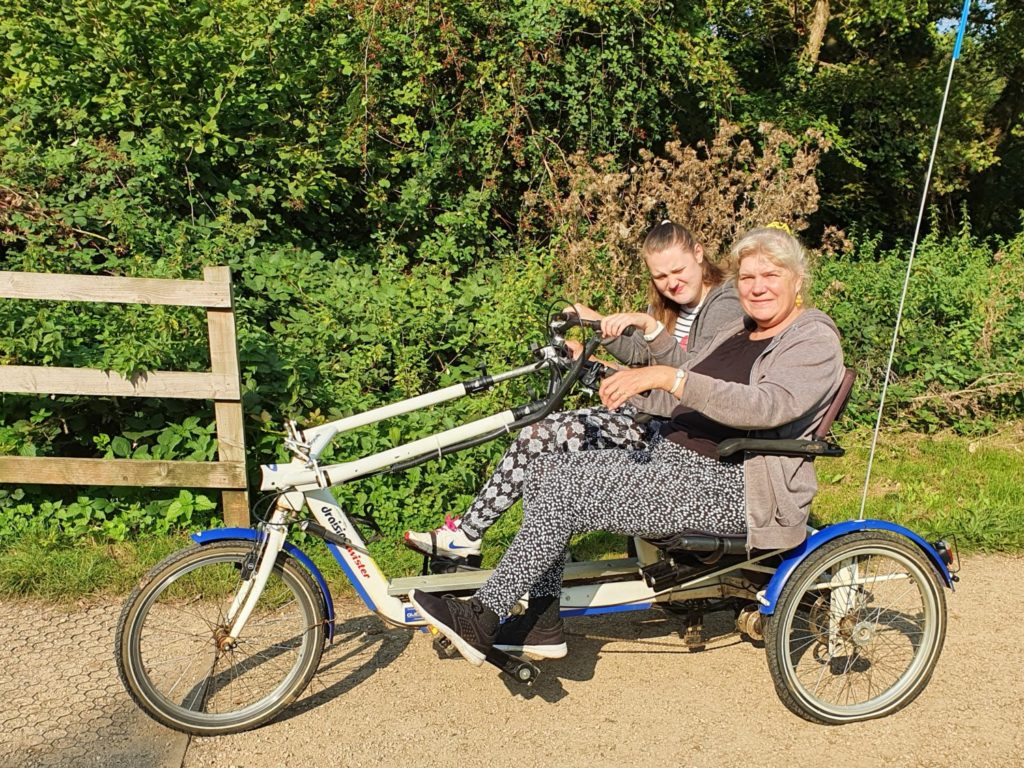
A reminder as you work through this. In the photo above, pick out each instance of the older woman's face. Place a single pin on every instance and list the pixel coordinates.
(767, 291)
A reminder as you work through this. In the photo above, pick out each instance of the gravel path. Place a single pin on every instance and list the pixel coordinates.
(629, 694)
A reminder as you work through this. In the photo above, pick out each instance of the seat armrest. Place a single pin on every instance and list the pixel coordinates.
(808, 448)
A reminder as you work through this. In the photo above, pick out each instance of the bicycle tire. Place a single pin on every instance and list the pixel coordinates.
(840, 656)
(169, 658)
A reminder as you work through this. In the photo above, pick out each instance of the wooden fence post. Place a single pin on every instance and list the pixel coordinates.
(224, 360)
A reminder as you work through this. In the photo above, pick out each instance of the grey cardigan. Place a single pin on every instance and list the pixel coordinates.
(721, 310)
(791, 386)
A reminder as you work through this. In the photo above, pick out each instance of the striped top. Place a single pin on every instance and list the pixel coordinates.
(685, 322)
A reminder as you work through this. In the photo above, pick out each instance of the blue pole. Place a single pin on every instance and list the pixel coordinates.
(961, 30)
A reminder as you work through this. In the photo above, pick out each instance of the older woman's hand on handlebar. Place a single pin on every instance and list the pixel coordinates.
(615, 325)
(620, 386)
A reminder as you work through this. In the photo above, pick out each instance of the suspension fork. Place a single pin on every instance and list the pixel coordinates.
(265, 552)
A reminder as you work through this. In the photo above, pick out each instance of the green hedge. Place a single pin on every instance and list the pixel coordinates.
(322, 338)
(959, 362)
(364, 170)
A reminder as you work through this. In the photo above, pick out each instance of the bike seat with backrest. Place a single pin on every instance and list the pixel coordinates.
(818, 445)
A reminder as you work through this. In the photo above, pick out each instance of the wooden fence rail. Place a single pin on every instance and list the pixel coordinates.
(221, 385)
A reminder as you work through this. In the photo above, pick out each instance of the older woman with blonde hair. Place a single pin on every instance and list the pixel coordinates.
(772, 374)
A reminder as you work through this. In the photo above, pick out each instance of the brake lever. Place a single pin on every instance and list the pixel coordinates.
(593, 372)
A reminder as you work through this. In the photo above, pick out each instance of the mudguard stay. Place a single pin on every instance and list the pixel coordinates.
(248, 534)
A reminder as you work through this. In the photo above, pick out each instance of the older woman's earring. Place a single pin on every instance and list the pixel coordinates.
(799, 301)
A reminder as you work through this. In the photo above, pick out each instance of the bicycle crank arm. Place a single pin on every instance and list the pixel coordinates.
(519, 669)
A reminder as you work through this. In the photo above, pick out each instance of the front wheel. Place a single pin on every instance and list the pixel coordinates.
(171, 649)
(857, 630)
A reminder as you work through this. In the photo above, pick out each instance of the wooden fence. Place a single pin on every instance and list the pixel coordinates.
(221, 385)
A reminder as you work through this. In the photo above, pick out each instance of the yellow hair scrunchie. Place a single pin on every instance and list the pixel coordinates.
(779, 225)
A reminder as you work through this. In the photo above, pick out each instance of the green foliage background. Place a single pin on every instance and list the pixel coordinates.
(376, 176)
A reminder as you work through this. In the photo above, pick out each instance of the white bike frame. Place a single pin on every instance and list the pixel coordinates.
(603, 586)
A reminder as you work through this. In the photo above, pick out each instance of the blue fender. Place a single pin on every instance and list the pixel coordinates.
(248, 534)
(794, 557)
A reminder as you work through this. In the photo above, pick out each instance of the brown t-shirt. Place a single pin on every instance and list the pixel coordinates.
(731, 361)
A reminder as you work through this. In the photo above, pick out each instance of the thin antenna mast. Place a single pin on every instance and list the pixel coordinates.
(913, 251)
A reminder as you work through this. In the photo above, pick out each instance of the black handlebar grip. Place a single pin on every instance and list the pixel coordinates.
(595, 324)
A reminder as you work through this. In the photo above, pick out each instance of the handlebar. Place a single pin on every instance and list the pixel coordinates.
(591, 371)
(563, 371)
(563, 321)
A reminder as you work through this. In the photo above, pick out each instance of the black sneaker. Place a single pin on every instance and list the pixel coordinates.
(471, 626)
(539, 632)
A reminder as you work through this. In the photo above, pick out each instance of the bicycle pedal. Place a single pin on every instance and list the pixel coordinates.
(433, 566)
(520, 669)
(693, 634)
(437, 565)
(442, 645)
(693, 638)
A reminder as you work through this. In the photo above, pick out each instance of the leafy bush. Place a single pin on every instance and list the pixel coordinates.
(318, 339)
(959, 360)
(363, 169)
(411, 127)
(108, 517)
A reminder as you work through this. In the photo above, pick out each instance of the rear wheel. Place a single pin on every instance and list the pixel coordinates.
(172, 652)
(857, 630)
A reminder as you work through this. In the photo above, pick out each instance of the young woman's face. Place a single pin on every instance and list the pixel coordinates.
(677, 273)
(767, 291)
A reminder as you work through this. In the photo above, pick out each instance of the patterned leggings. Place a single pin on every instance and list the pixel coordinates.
(587, 429)
(656, 491)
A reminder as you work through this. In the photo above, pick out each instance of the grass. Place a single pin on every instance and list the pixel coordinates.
(38, 566)
(937, 485)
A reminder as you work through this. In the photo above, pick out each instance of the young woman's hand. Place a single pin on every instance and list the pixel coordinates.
(574, 347)
(585, 312)
(620, 386)
(615, 325)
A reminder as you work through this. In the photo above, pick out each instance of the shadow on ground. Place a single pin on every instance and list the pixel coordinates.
(362, 646)
(63, 705)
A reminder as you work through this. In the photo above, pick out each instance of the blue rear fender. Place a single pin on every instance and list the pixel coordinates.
(794, 557)
(248, 534)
